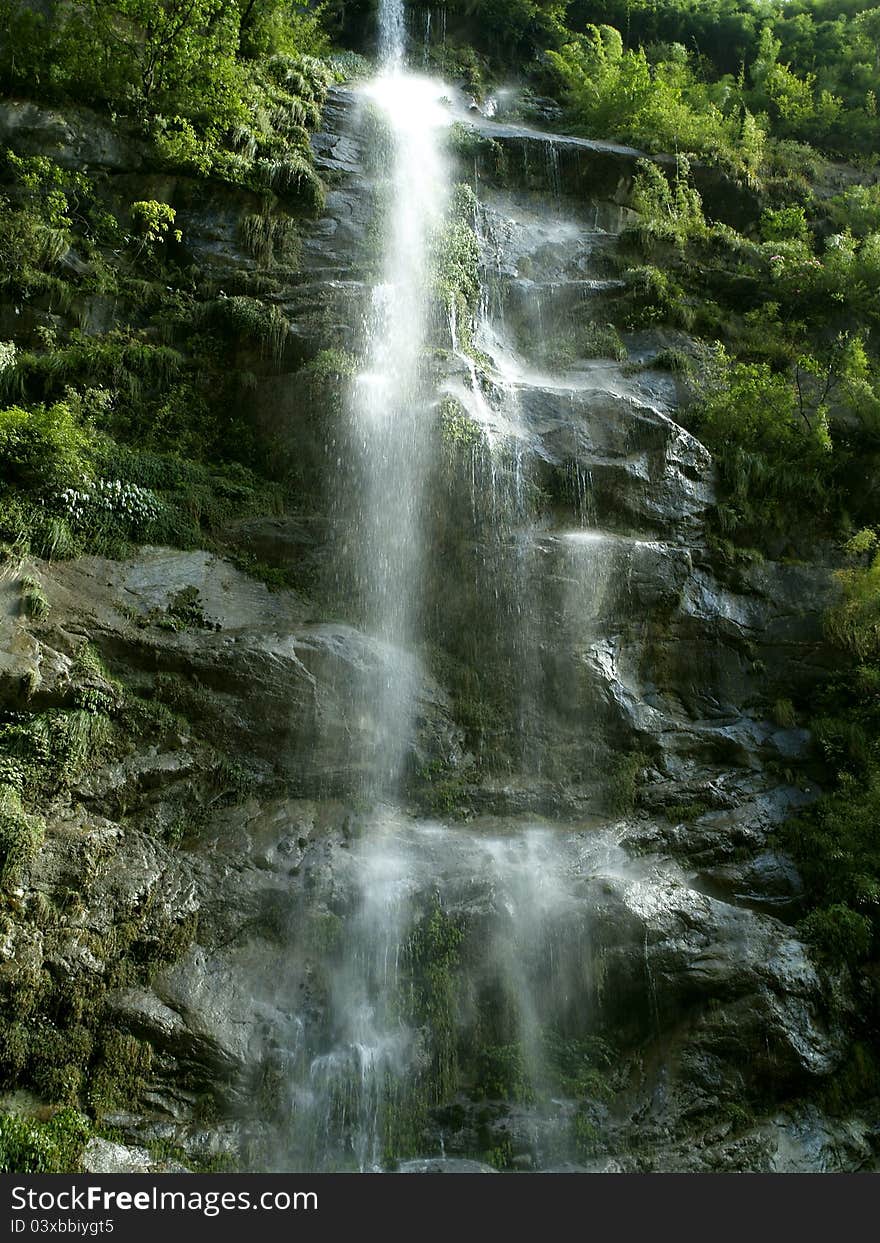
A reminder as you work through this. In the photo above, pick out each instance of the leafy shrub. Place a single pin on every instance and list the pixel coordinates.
(857, 210)
(456, 260)
(31, 1147)
(501, 1074)
(784, 224)
(839, 933)
(669, 211)
(772, 443)
(43, 448)
(613, 91)
(623, 782)
(655, 296)
(117, 361)
(153, 221)
(270, 238)
(121, 1073)
(602, 341)
(247, 319)
(836, 847)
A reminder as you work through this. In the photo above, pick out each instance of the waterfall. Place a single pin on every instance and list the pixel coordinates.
(390, 433)
(450, 943)
(392, 34)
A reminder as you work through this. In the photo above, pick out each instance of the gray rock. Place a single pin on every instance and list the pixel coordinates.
(103, 1157)
(444, 1165)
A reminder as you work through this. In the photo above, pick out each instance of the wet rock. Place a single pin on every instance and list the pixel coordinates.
(101, 1156)
(73, 138)
(444, 1165)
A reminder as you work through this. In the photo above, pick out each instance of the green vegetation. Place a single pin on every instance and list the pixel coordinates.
(780, 316)
(20, 835)
(145, 432)
(138, 432)
(59, 1037)
(28, 1146)
(456, 264)
(33, 599)
(756, 88)
(623, 782)
(785, 381)
(225, 90)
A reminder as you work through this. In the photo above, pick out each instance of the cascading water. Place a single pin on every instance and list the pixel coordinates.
(450, 956)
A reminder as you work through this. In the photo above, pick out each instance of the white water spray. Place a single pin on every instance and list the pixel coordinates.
(390, 409)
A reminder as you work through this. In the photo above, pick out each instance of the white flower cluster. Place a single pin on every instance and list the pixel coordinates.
(7, 354)
(138, 506)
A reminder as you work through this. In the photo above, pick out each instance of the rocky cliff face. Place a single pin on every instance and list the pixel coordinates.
(595, 707)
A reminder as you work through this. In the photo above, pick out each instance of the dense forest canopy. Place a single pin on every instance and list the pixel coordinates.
(667, 72)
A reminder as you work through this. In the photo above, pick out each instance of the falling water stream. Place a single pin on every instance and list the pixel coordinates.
(390, 430)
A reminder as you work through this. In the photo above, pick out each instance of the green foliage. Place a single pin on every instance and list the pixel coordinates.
(855, 622)
(501, 1156)
(685, 813)
(580, 1065)
(501, 1074)
(226, 90)
(572, 341)
(56, 1037)
(33, 599)
(43, 449)
(28, 1146)
(249, 320)
(623, 782)
(46, 750)
(784, 714)
(670, 212)
(857, 210)
(456, 263)
(839, 933)
(654, 296)
(674, 360)
(799, 71)
(271, 239)
(602, 341)
(115, 360)
(121, 1074)
(771, 435)
(44, 208)
(618, 92)
(784, 224)
(21, 835)
(153, 221)
(433, 956)
(835, 842)
(585, 1133)
(857, 1080)
(458, 431)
